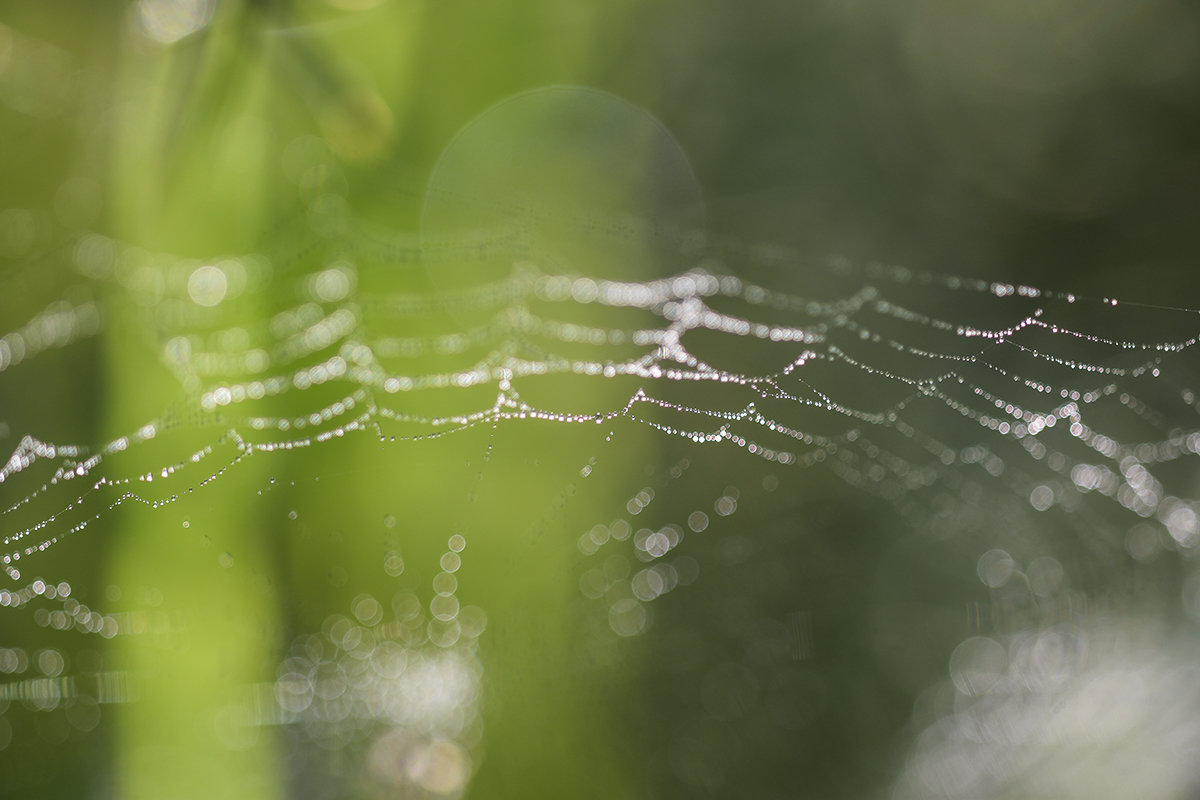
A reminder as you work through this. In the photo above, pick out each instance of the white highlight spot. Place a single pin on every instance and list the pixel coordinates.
(207, 286)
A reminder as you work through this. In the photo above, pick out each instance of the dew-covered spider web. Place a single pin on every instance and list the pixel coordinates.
(408, 480)
(966, 406)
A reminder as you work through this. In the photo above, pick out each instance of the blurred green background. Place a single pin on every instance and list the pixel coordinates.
(296, 146)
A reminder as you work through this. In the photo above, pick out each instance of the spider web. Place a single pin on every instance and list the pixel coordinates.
(972, 408)
(698, 460)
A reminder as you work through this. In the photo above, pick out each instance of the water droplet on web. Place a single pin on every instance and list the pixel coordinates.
(1041, 498)
(393, 564)
(367, 609)
(444, 583)
(627, 617)
(995, 567)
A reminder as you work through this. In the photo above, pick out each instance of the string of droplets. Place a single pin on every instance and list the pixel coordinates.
(460, 421)
(332, 316)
